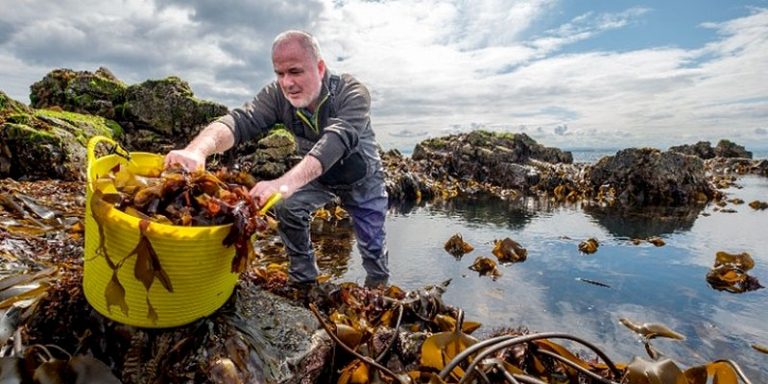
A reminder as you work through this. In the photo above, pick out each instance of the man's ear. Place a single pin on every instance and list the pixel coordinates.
(321, 67)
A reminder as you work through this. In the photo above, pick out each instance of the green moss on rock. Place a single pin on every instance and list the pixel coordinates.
(9, 105)
(83, 127)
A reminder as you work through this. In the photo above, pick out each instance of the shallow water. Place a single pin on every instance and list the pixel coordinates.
(647, 284)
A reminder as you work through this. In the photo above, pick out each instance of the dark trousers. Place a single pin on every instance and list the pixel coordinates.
(366, 202)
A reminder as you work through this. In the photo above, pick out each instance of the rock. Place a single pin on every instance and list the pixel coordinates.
(46, 143)
(96, 93)
(266, 339)
(726, 148)
(504, 159)
(704, 150)
(169, 108)
(647, 176)
(403, 181)
(701, 149)
(156, 116)
(761, 168)
(274, 154)
(10, 106)
(736, 165)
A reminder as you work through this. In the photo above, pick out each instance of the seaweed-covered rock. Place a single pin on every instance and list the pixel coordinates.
(761, 168)
(726, 148)
(647, 176)
(704, 150)
(499, 159)
(701, 149)
(96, 93)
(169, 108)
(46, 143)
(403, 181)
(156, 115)
(736, 165)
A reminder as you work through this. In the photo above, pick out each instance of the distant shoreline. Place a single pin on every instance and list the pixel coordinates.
(591, 155)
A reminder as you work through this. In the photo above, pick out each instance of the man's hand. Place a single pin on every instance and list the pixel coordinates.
(263, 190)
(215, 138)
(302, 173)
(189, 159)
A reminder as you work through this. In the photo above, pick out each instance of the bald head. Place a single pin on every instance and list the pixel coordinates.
(307, 42)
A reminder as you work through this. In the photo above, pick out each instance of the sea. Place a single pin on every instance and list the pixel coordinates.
(551, 290)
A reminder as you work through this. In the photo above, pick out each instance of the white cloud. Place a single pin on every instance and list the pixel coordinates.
(431, 65)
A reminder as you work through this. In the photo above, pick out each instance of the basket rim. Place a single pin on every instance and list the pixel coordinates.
(133, 220)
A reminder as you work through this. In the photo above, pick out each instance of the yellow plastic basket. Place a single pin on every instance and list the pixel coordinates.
(196, 262)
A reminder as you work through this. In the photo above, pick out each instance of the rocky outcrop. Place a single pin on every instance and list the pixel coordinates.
(405, 181)
(647, 176)
(98, 93)
(156, 115)
(726, 148)
(499, 159)
(68, 107)
(704, 150)
(46, 143)
(167, 109)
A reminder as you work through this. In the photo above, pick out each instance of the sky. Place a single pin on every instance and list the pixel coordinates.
(572, 74)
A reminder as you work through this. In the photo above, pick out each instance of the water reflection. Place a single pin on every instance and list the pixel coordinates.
(643, 222)
(513, 213)
(647, 284)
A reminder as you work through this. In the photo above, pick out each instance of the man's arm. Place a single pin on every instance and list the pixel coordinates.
(215, 138)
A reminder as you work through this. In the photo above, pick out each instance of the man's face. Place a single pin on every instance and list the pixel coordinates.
(299, 74)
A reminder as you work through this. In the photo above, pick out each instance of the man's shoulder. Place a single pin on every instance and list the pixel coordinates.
(350, 83)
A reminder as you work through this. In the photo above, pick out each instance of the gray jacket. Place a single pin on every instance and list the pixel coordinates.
(339, 134)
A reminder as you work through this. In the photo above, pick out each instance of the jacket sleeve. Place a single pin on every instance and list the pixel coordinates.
(254, 117)
(342, 134)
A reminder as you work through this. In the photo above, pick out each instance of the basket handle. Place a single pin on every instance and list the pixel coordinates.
(91, 151)
(272, 200)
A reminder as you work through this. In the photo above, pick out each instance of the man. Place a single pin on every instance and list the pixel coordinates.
(330, 118)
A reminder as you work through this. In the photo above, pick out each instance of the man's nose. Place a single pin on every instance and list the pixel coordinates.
(286, 82)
